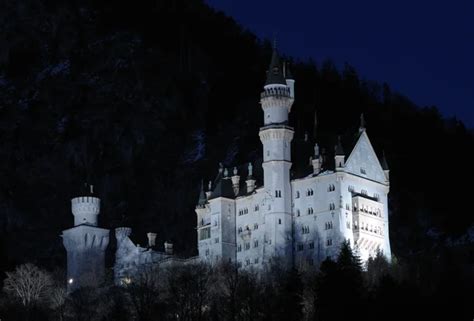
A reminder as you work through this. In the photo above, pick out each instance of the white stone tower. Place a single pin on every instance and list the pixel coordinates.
(276, 100)
(85, 244)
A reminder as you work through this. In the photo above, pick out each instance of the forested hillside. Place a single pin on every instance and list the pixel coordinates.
(145, 100)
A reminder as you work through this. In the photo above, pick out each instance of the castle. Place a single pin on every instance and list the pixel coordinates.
(299, 221)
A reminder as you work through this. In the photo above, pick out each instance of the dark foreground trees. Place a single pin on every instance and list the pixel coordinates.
(342, 289)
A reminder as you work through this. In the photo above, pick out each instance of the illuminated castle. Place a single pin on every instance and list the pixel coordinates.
(298, 221)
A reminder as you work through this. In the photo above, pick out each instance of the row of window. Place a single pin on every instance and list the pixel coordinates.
(369, 210)
(369, 228)
(310, 192)
(247, 228)
(300, 246)
(247, 246)
(248, 262)
(244, 211)
(310, 210)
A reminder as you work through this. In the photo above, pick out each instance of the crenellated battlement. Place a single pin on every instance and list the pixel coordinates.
(282, 92)
(85, 210)
(122, 232)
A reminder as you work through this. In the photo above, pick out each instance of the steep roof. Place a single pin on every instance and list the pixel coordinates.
(275, 73)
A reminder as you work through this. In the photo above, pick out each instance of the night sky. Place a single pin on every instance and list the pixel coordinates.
(423, 49)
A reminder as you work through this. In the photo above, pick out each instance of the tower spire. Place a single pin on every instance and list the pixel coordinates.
(202, 196)
(362, 123)
(275, 72)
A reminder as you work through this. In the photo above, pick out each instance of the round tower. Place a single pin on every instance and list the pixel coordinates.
(85, 210)
(276, 136)
(85, 244)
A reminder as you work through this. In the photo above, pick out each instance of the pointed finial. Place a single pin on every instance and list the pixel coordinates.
(209, 186)
(339, 150)
(221, 168)
(235, 171)
(250, 168)
(226, 172)
(92, 189)
(316, 150)
(362, 123)
(202, 196)
(384, 162)
(306, 136)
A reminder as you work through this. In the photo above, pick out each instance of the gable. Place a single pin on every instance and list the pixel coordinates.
(363, 158)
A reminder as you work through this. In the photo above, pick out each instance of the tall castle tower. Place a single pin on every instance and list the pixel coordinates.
(276, 100)
(85, 244)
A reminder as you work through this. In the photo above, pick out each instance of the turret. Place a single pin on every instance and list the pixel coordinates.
(316, 160)
(276, 137)
(276, 98)
(151, 239)
(85, 244)
(290, 81)
(202, 197)
(339, 155)
(235, 181)
(169, 248)
(250, 180)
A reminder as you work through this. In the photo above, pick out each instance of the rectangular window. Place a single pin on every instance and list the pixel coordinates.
(311, 245)
(239, 248)
(247, 246)
(329, 242)
(255, 260)
(300, 247)
(255, 243)
(205, 233)
(216, 240)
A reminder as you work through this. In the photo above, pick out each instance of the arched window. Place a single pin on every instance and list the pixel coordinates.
(297, 194)
(297, 212)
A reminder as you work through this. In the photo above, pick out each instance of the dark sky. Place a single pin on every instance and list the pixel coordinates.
(423, 49)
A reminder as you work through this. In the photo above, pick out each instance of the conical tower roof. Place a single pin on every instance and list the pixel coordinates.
(275, 72)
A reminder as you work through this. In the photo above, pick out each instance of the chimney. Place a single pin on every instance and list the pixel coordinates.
(169, 248)
(151, 239)
(235, 181)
